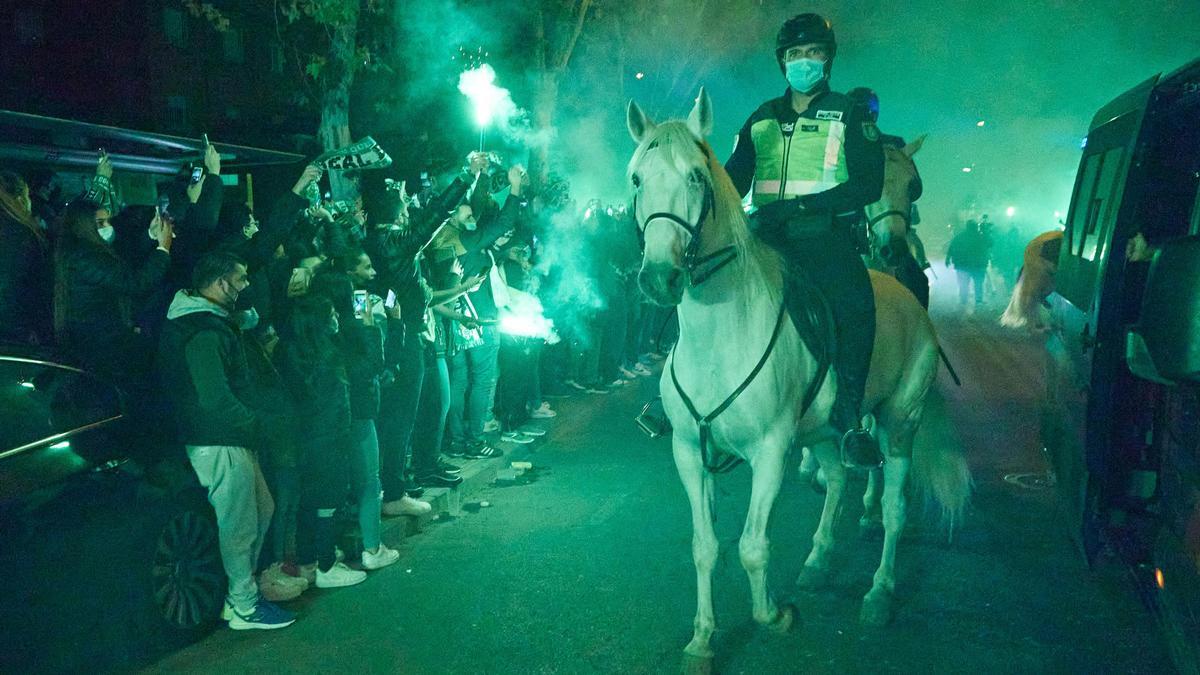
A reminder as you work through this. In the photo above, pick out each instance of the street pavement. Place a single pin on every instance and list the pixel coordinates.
(583, 565)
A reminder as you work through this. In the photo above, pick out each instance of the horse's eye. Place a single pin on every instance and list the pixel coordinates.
(637, 182)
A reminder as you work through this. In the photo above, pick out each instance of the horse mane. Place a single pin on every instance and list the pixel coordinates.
(680, 149)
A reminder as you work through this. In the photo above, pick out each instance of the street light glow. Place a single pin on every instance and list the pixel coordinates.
(966, 169)
(640, 75)
(979, 123)
(1010, 211)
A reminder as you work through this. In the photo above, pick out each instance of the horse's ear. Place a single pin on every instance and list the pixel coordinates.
(700, 120)
(639, 124)
(912, 148)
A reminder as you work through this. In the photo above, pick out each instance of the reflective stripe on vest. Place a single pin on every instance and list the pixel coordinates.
(815, 162)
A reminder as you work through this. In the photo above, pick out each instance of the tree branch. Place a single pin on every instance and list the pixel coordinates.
(584, 5)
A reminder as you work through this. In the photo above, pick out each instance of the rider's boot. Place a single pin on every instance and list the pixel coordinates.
(858, 445)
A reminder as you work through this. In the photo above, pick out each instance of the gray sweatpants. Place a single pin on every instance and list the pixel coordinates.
(239, 495)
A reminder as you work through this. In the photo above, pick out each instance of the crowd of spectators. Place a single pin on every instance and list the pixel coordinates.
(321, 360)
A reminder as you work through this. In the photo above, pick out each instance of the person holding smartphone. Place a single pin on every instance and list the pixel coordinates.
(361, 343)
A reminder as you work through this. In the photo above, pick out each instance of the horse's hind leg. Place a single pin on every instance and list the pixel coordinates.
(870, 526)
(754, 546)
(816, 570)
(698, 483)
(877, 605)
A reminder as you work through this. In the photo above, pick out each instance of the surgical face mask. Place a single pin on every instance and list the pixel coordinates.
(107, 233)
(805, 74)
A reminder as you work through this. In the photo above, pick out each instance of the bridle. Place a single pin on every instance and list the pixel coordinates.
(892, 213)
(692, 259)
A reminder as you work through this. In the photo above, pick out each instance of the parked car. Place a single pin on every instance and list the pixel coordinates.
(1122, 420)
(108, 547)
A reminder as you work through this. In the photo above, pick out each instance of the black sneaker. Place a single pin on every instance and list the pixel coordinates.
(439, 479)
(415, 491)
(453, 450)
(482, 451)
(448, 468)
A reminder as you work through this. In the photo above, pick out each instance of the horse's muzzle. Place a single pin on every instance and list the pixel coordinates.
(663, 283)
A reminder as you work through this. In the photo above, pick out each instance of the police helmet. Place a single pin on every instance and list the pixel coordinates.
(804, 29)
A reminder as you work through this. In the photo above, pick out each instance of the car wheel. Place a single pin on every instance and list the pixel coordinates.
(186, 574)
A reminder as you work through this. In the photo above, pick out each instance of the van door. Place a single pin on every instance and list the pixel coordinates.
(1080, 358)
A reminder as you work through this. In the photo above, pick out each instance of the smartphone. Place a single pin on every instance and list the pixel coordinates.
(360, 304)
(390, 302)
(197, 174)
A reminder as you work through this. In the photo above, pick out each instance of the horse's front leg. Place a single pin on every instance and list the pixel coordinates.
(877, 605)
(698, 483)
(755, 547)
(816, 572)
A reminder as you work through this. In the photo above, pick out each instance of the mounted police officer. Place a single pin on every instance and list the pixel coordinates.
(813, 160)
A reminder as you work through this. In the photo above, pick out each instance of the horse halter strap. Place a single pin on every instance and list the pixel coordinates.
(704, 422)
(692, 260)
(873, 221)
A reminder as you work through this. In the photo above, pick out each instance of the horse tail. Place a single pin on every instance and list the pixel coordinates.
(1016, 315)
(941, 474)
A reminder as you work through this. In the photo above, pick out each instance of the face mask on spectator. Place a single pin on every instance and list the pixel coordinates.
(107, 233)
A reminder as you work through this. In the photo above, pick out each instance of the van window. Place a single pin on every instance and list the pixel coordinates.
(1077, 225)
(1100, 213)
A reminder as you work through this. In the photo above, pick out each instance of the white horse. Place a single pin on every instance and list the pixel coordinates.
(733, 338)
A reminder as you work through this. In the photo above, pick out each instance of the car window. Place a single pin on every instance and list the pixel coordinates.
(39, 400)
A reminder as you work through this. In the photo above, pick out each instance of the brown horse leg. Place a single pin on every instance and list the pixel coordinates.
(698, 483)
(754, 547)
(816, 570)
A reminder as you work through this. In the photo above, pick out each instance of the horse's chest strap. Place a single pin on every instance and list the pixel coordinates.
(704, 422)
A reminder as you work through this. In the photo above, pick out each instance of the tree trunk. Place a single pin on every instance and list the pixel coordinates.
(545, 105)
(335, 101)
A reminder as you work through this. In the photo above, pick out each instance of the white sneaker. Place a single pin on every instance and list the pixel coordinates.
(626, 373)
(277, 591)
(338, 576)
(542, 412)
(406, 506)
(382, 557)
(515, 437)
(275, 573)
(641, 369)
(491, 425)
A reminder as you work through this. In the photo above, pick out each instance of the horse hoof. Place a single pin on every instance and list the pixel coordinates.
(696, 665)
(813, 578)
(784, 618)
(870, 529)
(876, 610)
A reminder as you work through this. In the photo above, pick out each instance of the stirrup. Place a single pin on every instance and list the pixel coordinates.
(859, 449)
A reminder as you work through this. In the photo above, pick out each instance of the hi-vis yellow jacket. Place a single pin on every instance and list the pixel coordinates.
(829, 155)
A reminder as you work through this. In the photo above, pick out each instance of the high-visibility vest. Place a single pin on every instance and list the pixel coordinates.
(808, 158)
